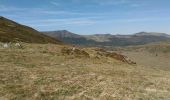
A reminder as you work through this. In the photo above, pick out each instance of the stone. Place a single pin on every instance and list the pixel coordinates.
(6, 45)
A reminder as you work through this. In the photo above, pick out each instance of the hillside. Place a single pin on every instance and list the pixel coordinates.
(58, 72)
(155, 55)
(11, 31)
(109, 39)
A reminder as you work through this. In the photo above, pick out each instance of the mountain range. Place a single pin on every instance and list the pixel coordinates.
(108, 39)
(11, 31)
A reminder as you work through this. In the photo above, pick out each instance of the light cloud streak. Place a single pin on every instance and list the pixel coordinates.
(66, 21)
(55, 3)
(100, 14)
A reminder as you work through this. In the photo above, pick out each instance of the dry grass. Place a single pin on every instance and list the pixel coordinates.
(11, 31)
(41, 72)
(152, 55)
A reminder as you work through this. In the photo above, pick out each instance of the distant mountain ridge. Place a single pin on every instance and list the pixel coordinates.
(70, 38)
(108, 39)
(11, 31)
(63, 34)
(151, 34)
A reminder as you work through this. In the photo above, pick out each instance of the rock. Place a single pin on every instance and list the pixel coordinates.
(6, 45)
(116, 56)
(18, 45)
(75, 52)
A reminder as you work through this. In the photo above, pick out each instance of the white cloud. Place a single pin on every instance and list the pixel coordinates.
(111, 2)
(134, 20)
(6, 9)
(66, 21)
(129, 3)
(59, 12)
(44, 11)
(55, 3)
(104, 2)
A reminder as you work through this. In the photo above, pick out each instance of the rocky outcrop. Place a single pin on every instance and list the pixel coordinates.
(74, 52)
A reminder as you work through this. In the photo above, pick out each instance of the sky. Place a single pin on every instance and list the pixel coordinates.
(90, 16)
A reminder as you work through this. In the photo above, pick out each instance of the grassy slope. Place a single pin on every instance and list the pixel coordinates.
(154, 55)
(11, 32)
(41, 72)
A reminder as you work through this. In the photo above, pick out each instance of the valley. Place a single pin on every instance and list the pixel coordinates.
(34, 66)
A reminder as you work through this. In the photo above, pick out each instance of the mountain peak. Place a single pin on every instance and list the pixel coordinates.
(65, 31)
(62, 34)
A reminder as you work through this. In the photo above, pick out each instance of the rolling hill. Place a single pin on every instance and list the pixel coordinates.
(108, 39)
(59, 72)
(155, 55)
(11, 31)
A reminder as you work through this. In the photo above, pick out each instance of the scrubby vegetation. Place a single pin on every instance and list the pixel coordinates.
(11, 31)
(42, 72)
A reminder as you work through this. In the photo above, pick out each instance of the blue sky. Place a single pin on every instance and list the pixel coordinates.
(90, 16)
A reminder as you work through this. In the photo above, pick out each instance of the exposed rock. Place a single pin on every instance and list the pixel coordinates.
(119, 57)
(18, 45)
(11, 45)
(6, 45)
(116, 56)
(95, 53)
(75, 52)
